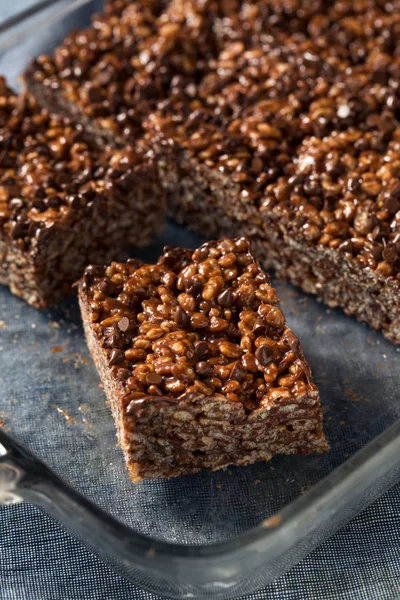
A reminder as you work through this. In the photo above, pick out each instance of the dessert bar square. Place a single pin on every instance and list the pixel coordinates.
(324, 214)
(197, 362)
(63, 203)
(109, 76)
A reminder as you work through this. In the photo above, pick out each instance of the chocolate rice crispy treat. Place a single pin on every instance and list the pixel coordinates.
(109, 76)
(338, 218)
(271, 135)
(327, 217)
(326, 61)
(63, 203)
(197, 362)
(251, 107)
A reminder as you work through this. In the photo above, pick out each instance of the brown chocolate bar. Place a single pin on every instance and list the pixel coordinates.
(63, 203)
(198, 364)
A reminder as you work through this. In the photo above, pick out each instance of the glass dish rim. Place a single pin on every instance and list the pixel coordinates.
(38, 484)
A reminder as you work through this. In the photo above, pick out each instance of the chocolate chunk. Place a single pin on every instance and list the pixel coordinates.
(5, 160)
(167, 261)
(181, 317)
(38, 204)
(74, 202)
(124, 373)
(62, 179)
(201, 349)
(106, 286)
(193, 287)
(346, 247)
(94, 270)
(116, 357)
(238, 372)
(380, 77)
(204, 369)
(264, 355)
(53, 201)
(153, 379)
(392, 204)
(136, 262)
(392, 102)
(390, 254)
(259, 327)
(225, 298)
(19, 230)
(113, 340)
(353, 184)
(94, 94)
(291, 340)
(16, 203)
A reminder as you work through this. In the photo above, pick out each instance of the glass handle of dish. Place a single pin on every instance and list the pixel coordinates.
(18, 470)
(10, 475)
(24, 478)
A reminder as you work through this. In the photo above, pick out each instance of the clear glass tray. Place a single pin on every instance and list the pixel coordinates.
(220, 534)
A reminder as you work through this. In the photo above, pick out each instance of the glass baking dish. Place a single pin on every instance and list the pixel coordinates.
(219, 535)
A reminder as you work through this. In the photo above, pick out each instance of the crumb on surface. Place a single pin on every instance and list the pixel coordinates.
(68, 417)
(273, 521)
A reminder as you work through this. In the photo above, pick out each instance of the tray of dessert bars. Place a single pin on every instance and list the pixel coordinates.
(220, 533)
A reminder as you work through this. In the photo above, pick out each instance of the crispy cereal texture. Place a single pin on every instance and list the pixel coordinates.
(64, 203)
(197, 362)
(275, 120)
